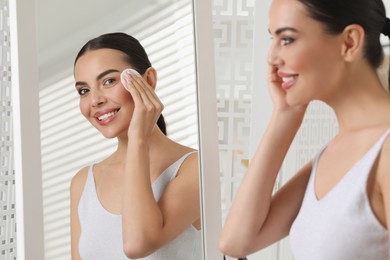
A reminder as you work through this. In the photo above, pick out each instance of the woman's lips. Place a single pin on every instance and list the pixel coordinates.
(288, 82)
(105, 117)
(288, 79)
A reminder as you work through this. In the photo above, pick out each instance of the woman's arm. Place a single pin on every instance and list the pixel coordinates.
(255, 219)
(76, 189)
(148, 225)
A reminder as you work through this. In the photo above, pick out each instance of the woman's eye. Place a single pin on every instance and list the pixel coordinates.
(82, 91)
(109, 81)
(286, 41)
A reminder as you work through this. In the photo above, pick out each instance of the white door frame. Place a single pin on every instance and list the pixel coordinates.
(26, 131)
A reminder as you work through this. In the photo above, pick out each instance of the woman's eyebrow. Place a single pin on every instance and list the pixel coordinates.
(101, 75)
(80, 83)
(283, 29)
(104, 73)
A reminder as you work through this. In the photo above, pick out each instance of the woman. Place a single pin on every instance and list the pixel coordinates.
(338, 205)
(143, 200)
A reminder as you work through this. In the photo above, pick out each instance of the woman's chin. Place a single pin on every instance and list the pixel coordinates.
(109, 134)
(296, 101)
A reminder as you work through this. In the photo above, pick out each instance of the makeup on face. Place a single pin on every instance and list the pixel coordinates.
(129, 72)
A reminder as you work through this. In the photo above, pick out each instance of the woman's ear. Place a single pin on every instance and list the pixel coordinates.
(150, 76)
(353, 42)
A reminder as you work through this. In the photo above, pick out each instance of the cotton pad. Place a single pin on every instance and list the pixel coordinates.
(128, 71)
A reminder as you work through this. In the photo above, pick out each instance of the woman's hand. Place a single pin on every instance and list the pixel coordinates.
(278, 94)
(147, 107)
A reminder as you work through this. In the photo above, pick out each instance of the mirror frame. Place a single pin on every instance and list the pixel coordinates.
(211, 215)
(26, 130)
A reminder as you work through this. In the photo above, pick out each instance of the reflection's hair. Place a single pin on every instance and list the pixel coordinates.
(135, 55)
(335, 15)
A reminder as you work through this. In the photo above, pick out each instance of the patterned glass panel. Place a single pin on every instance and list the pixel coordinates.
(7, 175)
(233, 44)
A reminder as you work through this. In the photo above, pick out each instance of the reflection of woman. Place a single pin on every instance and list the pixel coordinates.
(338, 205)
(143, 200)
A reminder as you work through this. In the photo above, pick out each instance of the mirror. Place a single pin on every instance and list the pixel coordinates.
(68, 141)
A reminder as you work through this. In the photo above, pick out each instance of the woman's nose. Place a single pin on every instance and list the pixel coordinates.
(274, 58)
(97, 98)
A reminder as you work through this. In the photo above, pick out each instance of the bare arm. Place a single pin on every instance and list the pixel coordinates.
(76, 190)
(148, 225)
(267, 219)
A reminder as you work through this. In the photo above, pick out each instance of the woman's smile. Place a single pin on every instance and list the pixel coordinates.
(104, 117)
(288, 80)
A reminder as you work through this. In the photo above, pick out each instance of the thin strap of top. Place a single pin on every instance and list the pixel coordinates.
(158, 185)
(169, 174)
(366, 161)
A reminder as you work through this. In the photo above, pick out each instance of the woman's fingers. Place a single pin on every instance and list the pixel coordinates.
(135, 94)
(147, 94)
(273, 75)
(148, 106)
(136, 91)
(135, 81)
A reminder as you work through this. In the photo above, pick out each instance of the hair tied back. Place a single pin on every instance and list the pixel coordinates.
(386, 27)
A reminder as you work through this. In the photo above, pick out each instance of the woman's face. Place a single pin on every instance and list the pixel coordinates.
(104, 102)
(308, 60)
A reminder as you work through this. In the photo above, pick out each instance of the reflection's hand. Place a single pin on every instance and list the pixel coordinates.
(147, 107)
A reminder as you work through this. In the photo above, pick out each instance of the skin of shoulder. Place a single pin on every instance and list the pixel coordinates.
(190, 164)
(76, 189)
(78, 182)
(188, 178)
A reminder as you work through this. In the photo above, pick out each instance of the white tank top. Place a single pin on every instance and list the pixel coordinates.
(101, 231)
(342, 225)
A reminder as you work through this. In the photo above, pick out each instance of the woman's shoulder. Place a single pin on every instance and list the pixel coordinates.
(192, 158)
(190, 163)
(78, 181)
(178, 150)
(190, 154)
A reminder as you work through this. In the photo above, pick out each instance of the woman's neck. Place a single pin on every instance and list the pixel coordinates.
(361, 103)
(156, 142)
